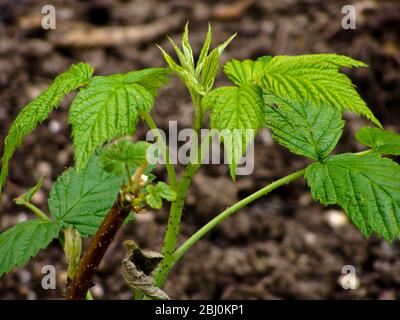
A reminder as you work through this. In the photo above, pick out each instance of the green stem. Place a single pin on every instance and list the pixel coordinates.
(228, 212)
(363, 153)
(34, 209)
(171, 234)
(198, 111)
(128, 173)
(170, 168)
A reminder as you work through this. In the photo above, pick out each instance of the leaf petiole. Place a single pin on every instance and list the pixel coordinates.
(170, 168)
(33, 208)
(224, 215)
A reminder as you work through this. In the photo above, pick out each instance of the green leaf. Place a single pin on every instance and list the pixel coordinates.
(305, 129)
(209, 68)
(235, 112)
(38, 110)
(27, 196)
(187, 76)
(209, 71)
(124, 153)
(315, 78)
(165, 191)
(158, 192)
(107, 108)
(186, 56)
(246, 71)
(366, 187)
(204, 51)
(23, 241)
(82, 199)
(221, 47)
(382, 141)
(200, 78)
(187, 49)
(151, 78)
(154, 200)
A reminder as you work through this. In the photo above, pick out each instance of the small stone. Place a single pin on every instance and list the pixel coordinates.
(336, 218)
(54, 126)
(145, 218)
(62, 277)
(39, 197)
(21, 217)
(63, 157)
(310, 238)
(34, 91)
(31, 295)
(97, 291)
(24, 276)
(305, 199)
(43, 169)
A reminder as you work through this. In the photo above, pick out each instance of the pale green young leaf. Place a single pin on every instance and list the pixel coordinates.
(107, 108)
(382, 141)
(200, 78)
(246, 71)
(158, 192)
(124, 153)
(170, 61)
(209, 66)
(209, 71)
(38, 110)
(23, 241)
(367, 187)
(186, 76)
(316, 78)
(83, 199)
(204, 51)
(27, 196)
(165, 191)
(221, 47)
(154, 200)
(187, 49)
(185, 63)
(235, 113)
(305, 129)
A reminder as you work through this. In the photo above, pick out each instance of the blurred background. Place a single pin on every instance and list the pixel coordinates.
(281, 247)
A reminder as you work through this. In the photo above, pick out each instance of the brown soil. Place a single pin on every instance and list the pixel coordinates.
(283, 246)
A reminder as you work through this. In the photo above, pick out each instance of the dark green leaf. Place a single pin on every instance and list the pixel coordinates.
(315, 78)
(83, 199)
(367, 187)
(382, 141)
(23, 241)
(305, 129)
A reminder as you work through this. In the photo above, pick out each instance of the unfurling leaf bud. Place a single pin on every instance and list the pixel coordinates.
(72, 249)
